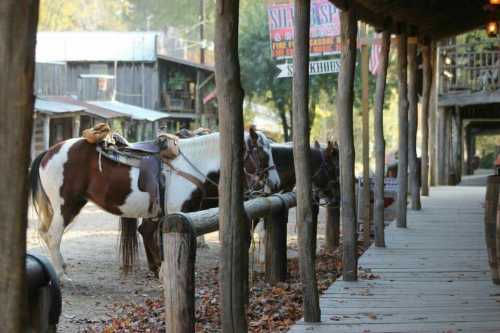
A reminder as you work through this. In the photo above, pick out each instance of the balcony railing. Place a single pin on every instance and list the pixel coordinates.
(469, 68)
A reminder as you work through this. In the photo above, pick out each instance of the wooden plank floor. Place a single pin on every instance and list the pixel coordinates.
(432, 277)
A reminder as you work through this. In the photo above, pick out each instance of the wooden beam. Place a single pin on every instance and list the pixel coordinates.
(235, 232)
(365, 72)
(441, 146)
(302, 161)
(427, 80)
(18, 23)
(403, 129)
(345, 99)
(412, 128)
(378, 211)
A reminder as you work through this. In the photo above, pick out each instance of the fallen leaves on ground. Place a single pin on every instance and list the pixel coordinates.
(271, 308)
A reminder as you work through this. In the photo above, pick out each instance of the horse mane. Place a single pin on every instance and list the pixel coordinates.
(203, 145)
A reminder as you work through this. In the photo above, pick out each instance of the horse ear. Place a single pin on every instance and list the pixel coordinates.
(253, 132)
(316, 144)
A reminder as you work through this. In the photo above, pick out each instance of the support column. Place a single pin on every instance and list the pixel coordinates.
(76, 126)
(46, 132)
(18, 24)
(441, 146)
(433, 108)
(345, 98)
(365, 57)
(234, 228)
(138, 130)
(378, 211)
(457, 145)
(427, 82)
(403, 128)
(412, 127)
(302, 161)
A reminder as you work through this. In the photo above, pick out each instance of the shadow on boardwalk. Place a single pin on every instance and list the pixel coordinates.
(432, 277)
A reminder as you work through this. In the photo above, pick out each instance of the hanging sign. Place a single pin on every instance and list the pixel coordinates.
(315, 68)
(325, 27)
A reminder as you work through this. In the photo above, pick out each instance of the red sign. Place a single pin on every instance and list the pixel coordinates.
(325, 27)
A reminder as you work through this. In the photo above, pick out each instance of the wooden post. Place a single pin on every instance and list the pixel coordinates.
(457, 145)
(412, 128)
(403, 129)
(441, 146)
(490, 224)
(179, 253)
(276, 247)
(378, 211)
(18, 24)
(302, 161)
(76, 126)
(433, 108)
(345, 99)
(332, 237)
(235, 232)
(427, 80)
(365, 56)
(46, 132)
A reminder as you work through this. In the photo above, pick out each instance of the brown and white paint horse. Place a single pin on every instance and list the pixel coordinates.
(71, 173)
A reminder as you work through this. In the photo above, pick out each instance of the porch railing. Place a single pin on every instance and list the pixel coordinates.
(469, 68)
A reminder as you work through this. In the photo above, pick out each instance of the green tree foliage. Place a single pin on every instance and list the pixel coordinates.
(80, 15)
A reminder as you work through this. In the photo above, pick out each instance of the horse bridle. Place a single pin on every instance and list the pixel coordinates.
(261, 174)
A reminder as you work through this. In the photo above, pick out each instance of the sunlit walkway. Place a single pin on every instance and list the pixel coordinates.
(432, 277)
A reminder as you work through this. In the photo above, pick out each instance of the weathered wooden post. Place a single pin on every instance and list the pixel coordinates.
(365, 56)
(490, 224)
(302, 160)
(179, 243)
(235, 232)
(403, 127)
(427, 80)
(276, 246)
(345, 99)
(18, 23)
(332, 232)
(413, 124)
(432, 116)
(378, 211)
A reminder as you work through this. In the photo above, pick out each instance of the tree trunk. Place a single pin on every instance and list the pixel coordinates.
(441, 146)
(432, 117)
(17, 60)
(302, 161)
(427, 79)
(413, 124)
(345, 99)
(403, 128)
(365, 57)
(235, 233)
(378, 211)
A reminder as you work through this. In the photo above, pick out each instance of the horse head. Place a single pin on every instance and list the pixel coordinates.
(168, 145)
(259, 164)
(326, 177)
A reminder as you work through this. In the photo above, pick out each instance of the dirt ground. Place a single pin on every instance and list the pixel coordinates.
(90, 249)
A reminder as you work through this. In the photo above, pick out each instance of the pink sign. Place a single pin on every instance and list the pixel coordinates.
(325, 27)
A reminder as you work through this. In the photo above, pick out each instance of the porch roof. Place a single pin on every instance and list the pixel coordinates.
(428, 18)
(51, 107)
(135, 112)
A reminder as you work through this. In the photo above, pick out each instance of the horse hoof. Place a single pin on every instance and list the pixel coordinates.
(65, 280)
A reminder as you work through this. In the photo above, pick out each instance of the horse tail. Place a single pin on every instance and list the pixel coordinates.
(128, 243)
(40, 200)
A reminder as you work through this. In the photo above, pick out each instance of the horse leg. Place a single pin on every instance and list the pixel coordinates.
(260, 230)
(53, 235)
(149, 232)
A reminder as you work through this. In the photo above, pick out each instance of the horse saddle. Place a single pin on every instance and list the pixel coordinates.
(147, 156)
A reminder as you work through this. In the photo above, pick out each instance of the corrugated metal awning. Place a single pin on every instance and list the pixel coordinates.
(91, 109)
(135, 112)
(46, 106)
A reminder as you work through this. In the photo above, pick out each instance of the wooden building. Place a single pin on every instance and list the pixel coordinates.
(59, 118)
(128, 67)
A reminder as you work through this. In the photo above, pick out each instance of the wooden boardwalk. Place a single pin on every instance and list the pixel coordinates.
(432, 277)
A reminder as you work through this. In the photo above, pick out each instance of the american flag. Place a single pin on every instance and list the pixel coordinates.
(374, 64)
